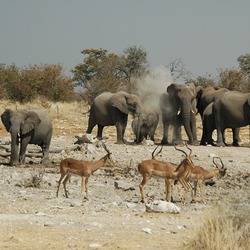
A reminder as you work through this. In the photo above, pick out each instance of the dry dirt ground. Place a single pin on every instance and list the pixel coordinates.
(114, 218)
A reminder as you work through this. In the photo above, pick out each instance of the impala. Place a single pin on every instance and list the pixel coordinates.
(199, 174)
(84, 169)
(167, 170)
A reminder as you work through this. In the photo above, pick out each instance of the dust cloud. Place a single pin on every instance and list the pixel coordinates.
(152, 85)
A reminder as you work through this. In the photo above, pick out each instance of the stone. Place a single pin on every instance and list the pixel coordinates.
(162, 207)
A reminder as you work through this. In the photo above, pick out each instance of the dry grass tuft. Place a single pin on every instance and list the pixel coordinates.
(226, 226)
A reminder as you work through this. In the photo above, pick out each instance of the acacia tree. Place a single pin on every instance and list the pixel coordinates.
(233, 79)
(178, 70)
(102, 71)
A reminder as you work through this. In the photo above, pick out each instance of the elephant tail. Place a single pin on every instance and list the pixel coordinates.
(85, 113)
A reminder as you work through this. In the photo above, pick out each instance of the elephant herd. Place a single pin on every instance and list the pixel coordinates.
(219, 109)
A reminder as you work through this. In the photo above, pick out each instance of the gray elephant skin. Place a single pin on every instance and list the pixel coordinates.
(144, 125)
(27, 127)
(205, 99)
(109, 109)
(178, 107)
(231, 111)
(207, 95)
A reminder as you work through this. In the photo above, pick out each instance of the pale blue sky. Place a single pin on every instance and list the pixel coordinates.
(207, 35)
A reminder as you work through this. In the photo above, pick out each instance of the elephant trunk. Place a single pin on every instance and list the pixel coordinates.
(186, 117)
(14, 157)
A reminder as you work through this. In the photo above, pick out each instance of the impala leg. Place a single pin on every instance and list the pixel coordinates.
(194, 190)
(86, 187)
(200, 186)
(179, 188)
(82, 188)
(64, 185)
(59, 183)
(186, 185)
(168, 186)
(141, 187)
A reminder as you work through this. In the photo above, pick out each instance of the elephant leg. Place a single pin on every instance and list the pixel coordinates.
(99, 132)
(45, 152)
(120, 133)
(207, 131)
(121, 130)
(204, 136)
(220, 138)
(152, 133)
(24, 143)
(152, 136)
(14, 158)
(210, 137)
(237, 134)
(218, 121)
(165, 133)
(236, 137)
(177, 137)
(193, 129)
(91, 124)
(120, 120)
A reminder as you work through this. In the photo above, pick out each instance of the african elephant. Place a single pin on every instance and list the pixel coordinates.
(178, 107)
(110, 109)
(27, 127)
(231, 111)
(207, 95)
(145, 125)
(208, 126)
(205, 98)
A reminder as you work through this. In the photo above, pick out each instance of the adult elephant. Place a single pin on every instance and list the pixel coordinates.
(205, 99)
(27, 127)
(178, 106)
(207, 95)
(144, 125)
(208, 126)
(231, 111)
(110, 109)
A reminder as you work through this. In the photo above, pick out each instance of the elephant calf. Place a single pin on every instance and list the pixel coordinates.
(27, 127)
(145, 125)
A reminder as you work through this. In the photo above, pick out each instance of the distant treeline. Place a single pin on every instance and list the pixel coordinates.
(103, 71)
(25, 84)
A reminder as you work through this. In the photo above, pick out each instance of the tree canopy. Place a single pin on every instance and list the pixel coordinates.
(102, 71)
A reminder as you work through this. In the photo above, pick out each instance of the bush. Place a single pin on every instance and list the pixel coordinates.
(28, 83)
(225, 227)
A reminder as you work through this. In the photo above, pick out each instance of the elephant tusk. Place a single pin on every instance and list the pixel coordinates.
(179, 111)
(193, 112)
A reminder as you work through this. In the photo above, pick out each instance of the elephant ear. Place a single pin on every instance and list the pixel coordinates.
(31, 121)
(119, 100)
(171, 88)
(5, 117)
